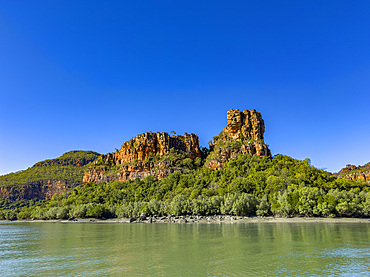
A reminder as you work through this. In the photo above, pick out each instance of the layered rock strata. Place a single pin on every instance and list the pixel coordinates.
(356, 173)
(43, 189)
(147, 154)
(152, 144)
(243, 134)
(359, 176)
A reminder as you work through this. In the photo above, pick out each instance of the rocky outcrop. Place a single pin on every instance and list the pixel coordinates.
(243, 134)
(356, 173)
(148, 154)
(248, 124)
(359, 176)
(44, 189)
(102, 176)
(149, 144)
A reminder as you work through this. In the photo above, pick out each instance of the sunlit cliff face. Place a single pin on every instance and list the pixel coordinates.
(243, 134)
(247, 123)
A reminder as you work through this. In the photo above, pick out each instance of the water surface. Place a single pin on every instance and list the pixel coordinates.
(243, 249)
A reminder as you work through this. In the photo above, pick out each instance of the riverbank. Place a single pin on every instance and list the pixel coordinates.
(206, 219)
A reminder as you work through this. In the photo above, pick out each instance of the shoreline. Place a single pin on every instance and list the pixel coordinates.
(202, 220)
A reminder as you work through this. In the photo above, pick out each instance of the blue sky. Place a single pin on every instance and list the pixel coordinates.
(90, 75)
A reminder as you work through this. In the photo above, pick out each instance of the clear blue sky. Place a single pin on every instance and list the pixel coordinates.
(90, 75)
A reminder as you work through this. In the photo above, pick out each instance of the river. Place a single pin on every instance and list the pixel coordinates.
(243, 249)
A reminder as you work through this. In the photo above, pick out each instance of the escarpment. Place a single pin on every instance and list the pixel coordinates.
(149, 144)
(43, 189)
(356, 173)
(148, 154)
(243, 134)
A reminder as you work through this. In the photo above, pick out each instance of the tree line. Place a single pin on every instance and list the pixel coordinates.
(248, 185)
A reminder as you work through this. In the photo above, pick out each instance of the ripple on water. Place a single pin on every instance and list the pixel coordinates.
(44, 249)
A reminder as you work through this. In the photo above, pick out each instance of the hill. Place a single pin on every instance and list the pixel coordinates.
(156, 174)
(46, 178)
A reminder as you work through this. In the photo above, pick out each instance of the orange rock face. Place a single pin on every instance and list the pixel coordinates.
(243, 134)
(135, 158)
(249, 124)
(356, 173)
(140, 147)
(359, 176)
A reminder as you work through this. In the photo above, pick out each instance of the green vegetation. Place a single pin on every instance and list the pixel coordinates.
(236, 144)
(223, 140)
(9, 204)
(280, 186)
(77, 158)
(69, 168)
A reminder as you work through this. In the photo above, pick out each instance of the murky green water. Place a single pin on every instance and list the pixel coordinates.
(251, 249)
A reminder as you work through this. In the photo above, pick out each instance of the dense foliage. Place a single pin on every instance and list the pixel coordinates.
(248, 185)
(69, 168)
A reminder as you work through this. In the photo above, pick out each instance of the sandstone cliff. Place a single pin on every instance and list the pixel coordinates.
(43, 189)
(243, 134)
(148, 154)
(356, 173)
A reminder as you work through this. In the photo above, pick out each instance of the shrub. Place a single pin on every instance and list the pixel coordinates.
(227, 204)
(78, 211)
(263, 207)
(95, 210)
(245, 204)
(56, 213)
(180, 205)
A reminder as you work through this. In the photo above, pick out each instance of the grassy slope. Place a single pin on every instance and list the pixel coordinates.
(69, 168)
(247, 186)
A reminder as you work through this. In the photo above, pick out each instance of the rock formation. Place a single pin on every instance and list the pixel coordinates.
(148, 154)
(359, 176)
(147, 144)
(43, 189)
(243, 134)
(356, 173)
